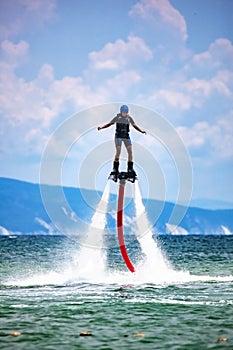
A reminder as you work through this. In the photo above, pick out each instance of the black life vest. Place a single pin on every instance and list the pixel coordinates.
(122, 129)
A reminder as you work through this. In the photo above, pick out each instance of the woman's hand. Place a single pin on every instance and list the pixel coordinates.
(99, 128)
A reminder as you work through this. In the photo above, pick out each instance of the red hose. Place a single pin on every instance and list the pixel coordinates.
(120, 228)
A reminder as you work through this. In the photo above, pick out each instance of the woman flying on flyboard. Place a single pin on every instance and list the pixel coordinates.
(123, 121)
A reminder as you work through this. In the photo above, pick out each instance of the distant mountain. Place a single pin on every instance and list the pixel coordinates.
(210, 204)
(22, 212)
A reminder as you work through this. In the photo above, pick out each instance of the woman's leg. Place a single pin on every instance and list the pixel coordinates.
(130, 159)
(118, 152)
(130, 153)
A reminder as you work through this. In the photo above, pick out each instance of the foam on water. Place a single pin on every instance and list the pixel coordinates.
(43, 279)
(69, 277)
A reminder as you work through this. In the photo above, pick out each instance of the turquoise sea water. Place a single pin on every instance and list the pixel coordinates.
(184, 302)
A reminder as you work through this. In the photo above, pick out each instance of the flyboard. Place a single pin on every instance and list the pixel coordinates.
(123, 177)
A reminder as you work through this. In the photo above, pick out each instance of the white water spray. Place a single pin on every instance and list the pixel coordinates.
(91, 258)
(155, 263)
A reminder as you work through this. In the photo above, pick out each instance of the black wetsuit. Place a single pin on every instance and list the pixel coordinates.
(122, 129)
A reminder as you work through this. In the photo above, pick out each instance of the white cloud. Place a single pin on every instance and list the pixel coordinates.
(201, 89)
(129, 79)
(120, 54)
(46, 74)
(175, 98)
(156, 10)
(12, 49)
(218, 56)
(183, 93)
(32, 108)
(213, 141)
(23, 102)
(15, 54)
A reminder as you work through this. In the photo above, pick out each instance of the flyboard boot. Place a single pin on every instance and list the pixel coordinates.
(131, 173)
(114, 174)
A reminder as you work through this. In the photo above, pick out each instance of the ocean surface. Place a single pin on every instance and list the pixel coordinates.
(52, 289)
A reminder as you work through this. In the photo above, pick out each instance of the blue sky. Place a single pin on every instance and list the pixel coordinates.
(173, 57)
